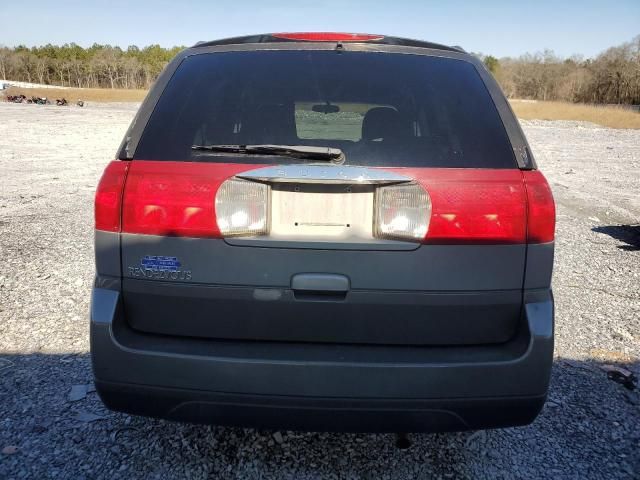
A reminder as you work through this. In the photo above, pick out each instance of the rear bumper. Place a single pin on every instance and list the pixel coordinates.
(323, 387)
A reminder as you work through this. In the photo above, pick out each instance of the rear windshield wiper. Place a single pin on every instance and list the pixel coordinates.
(306, 152)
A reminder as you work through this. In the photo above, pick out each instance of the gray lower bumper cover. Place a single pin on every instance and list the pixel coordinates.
(425, 394)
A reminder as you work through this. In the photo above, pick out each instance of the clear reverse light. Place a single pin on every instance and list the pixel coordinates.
(402, 212)
(242, 208)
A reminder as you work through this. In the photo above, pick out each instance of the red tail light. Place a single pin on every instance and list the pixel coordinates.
(468, 206)
(108, 201)
(477, 206)
(174, 198)
(328, 36)
(474, 206)
(541, 213)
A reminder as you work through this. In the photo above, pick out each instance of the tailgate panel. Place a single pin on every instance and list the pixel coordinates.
(435, 268)
(433, 295)
(360, 316)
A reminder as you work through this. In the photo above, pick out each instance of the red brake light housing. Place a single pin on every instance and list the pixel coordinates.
(174, 198)
(468, 206)
(541, 214)
(108, 199)
(473, 206)
(486, 206)
(328, 36)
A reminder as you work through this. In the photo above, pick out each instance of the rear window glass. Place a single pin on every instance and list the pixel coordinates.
(337, 121)
(381, 109)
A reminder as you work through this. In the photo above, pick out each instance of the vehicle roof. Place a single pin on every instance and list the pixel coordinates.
(378, 40)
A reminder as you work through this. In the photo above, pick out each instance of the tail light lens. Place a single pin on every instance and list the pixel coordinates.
(174, 198)
(242, 208)
(541, 214)
(402, 212)
(486, 206)
(473, 206)
(108, 200)
(443, 206)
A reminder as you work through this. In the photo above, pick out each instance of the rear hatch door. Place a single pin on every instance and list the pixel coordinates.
(325, 252)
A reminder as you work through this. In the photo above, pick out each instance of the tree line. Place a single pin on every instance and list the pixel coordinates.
(99, 66)
(611, 77)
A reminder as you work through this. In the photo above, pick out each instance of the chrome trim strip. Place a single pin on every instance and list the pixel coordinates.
(334, 174)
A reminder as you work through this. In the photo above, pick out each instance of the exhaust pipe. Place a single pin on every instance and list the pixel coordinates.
(403, 441)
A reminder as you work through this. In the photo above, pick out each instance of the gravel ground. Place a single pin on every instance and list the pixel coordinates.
(52, 425)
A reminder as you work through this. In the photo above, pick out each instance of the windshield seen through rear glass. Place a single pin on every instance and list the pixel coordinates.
(381, 109)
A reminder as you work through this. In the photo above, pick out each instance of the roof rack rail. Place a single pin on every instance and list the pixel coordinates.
(328, 37)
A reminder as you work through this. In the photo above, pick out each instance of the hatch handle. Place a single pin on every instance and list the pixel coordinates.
(320, 282)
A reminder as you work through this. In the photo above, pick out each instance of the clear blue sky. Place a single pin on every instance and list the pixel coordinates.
(497, 27)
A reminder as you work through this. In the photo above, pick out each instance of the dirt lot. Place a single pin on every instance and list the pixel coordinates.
(52, 425)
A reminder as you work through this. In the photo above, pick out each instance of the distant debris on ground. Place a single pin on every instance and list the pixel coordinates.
(21, 98)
